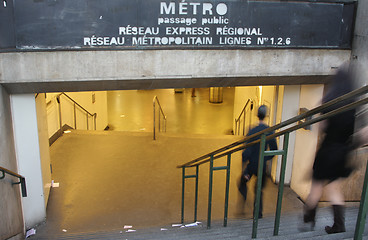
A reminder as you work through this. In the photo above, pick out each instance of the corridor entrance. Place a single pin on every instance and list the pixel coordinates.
(109, 179)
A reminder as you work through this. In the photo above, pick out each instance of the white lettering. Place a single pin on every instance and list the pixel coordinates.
(187, 31)
(186, 21)
(128, 30)
(165, 9)
(238, 31)
(207, 7)
(215, 20)
(183, 7)
(235, 40)
(221, 9)
(195, 5)
(103, 41)
(172, 41)
(87, 41)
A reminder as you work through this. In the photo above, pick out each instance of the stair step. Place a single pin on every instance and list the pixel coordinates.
(237, 229)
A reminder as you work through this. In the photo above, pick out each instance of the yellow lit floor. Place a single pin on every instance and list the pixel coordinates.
(133, 111)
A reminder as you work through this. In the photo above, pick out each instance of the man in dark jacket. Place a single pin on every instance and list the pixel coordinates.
(251, 156)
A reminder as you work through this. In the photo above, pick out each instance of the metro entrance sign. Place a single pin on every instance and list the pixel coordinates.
(195, 24)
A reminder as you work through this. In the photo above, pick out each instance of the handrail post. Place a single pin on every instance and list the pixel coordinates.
(210, 194)
(59, 103)
(182, 194)
(236, 127)
(94, 119)
(244, 123)
(259, 185)
(281, 184)
(160, 111)
(363, 208)
(22, 180)
(159, 121)
(154, 118)
(227, 189)
(23, 186)
(87, 121)
(75, 118)
(196, 194)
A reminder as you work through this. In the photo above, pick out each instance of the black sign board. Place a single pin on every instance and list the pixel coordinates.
(194, 24)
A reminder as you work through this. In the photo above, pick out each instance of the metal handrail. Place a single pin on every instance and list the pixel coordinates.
(261, 138)
(290, 129)
(22, 180)
(161, 112)
(242, 113)
(94, 115)
(290, 121)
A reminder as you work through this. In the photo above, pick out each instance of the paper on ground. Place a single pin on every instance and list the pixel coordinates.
(30, 232)
(163, 229)
(191, 225)
(176, 225)
(127, 226)
(131, 230)
(54, 184)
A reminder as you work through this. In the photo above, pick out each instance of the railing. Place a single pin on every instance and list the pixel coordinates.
(262, 137)
(22, 180)
(242, 115)
(161, 112)
(75, 105)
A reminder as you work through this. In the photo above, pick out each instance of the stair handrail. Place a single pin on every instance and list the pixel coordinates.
(22, 180)
(296, 119)
(161, 112)
(242, 113)
(346, 102)
(94, 115)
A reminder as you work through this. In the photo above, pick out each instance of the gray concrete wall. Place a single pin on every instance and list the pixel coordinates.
(11, 220)
(360, 54)
(26, 72)
(353, 185)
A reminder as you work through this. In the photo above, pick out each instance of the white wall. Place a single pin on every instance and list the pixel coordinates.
(99, 106)
(268, 99)
(278, 117)
(242, 94)
(44, 144)
(27, 150)
(305, 143)
(289, 109)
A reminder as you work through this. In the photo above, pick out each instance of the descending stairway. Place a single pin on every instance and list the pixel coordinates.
(237, 229)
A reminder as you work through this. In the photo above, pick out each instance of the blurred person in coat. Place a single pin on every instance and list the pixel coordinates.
(331, 160)
(251, 156)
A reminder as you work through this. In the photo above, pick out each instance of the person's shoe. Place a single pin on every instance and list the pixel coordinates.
(339, 220)
(309, 219)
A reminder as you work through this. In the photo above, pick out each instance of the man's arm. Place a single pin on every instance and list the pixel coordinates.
(272, 145)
